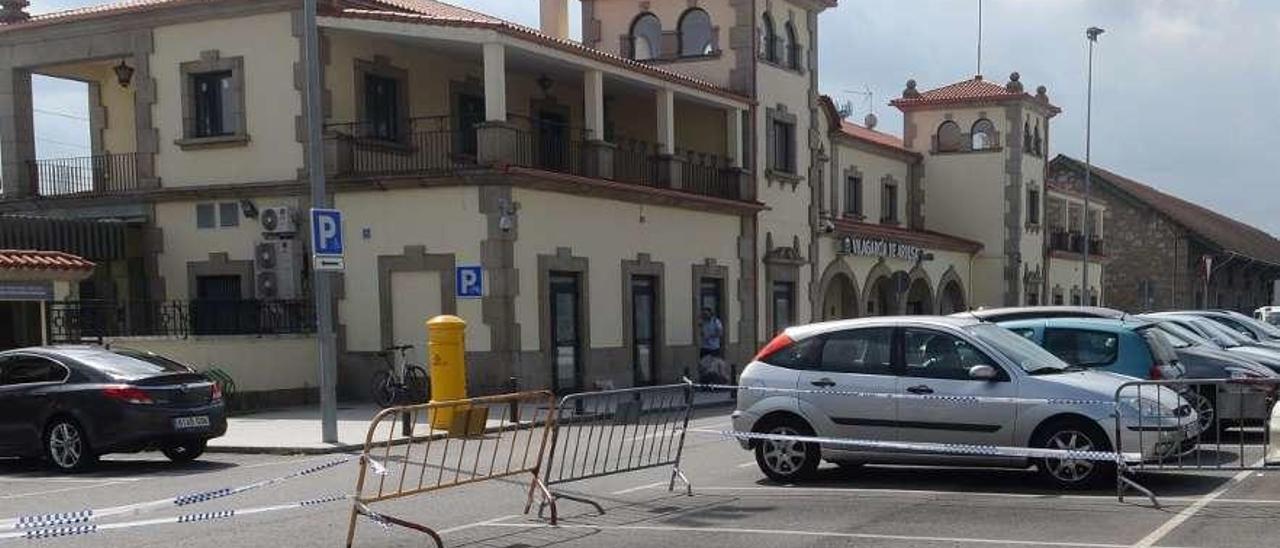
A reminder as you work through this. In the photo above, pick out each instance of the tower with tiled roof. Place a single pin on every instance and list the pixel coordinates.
(984, 147)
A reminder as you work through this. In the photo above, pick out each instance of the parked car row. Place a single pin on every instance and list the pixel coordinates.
(1040, 377)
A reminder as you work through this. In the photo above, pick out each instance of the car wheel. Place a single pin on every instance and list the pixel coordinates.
(185, 452)
(67, 447)
(784, 460)
(1073, 435)
(1206, 409)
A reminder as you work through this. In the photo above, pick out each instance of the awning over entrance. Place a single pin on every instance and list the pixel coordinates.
(29, 280)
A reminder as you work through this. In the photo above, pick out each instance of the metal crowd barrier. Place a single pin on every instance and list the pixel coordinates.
(1211, 424)
(615, 431)
(449, 444)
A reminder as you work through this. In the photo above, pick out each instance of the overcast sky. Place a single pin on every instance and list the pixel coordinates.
(1186, 92)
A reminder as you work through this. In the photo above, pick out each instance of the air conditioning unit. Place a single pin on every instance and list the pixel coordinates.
(278, 221)
(277, 266)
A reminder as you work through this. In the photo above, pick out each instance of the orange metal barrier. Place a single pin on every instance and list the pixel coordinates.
(449, 444)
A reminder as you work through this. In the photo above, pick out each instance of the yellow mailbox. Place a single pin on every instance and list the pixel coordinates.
(446, 345)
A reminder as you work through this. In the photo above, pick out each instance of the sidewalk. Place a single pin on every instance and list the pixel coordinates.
(297, 430)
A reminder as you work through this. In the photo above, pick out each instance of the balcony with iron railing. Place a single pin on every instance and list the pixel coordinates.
(444, 145)
(1071, 241)
(97, 175)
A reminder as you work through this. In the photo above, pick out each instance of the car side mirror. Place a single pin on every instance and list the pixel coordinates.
(982, 373)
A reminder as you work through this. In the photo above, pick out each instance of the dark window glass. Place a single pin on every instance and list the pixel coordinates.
(1033, 299)
(862, 351)
(1033, 207)
(784, 298)
(1057, 299)
(747, 142)
(206, 216)
(853, 196)
(799, 355)
(793, 47)
(1025, 332)
(126, 364)
(695, 33)
(936, 355)
(382, 107)
(470, 114)
(1162, 346)
(646, 37)
(30, 369)
(228, 214)
(211, 95)
(889, 204)
(769, 48)
(1235, 326)
(949, 139)
(1081, 347)
(784, 146)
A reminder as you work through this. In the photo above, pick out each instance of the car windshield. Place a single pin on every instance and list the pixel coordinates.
(1271, 330)
(1030, 357)
(1175, 339)
(1182, 337)
(1227, 336)
(128, 364)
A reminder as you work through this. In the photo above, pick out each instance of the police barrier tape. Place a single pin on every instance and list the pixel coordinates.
(907, 396)
(89, 516)
(78, 528)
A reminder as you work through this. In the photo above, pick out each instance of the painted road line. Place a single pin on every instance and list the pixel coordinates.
(1190, 511)
(653, 485)
(59, 491)
(747, 464)
(484, 523)
(811, 534)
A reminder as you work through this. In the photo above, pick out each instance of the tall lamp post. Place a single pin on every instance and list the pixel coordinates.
(1092, 34)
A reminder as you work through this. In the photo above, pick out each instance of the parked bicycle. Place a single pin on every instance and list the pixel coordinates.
(402, 383)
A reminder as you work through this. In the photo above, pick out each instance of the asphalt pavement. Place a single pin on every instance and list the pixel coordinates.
(732, 506)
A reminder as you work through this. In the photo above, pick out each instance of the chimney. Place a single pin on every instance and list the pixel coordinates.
(554, 18)
(13, 11)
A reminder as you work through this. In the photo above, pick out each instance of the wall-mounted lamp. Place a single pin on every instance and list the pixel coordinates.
(506, 215)
(544, 83)
(124, 74)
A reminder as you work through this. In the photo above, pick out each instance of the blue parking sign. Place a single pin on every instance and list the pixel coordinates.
(470, 282)
(326, 232)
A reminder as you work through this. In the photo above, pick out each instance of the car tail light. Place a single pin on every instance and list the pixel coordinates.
(128, 394)
(1156, 372)
(215, 395)
(778, 343)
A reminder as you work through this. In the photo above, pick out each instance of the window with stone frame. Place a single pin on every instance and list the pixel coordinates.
(769, 36)
(795, 52)
(784, 302)
(1033, 206)
(983, 135)
(213, 108)
(697, 36)
(949, 138)
(382, 107)
(853, 196)
(784, 146)
(889, 203)
(1057, 296)
(646, 37)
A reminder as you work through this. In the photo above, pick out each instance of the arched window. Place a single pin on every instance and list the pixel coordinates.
(1038, 142)
(769, 49)
(792, 47)
(983, 135)
(646, 37)
(695, 33)
(1026, 138)
(949, 139)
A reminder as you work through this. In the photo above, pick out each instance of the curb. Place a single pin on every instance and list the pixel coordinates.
(357, 447)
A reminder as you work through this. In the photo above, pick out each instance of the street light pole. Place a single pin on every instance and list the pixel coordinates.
(1092, 34)
(327, 348)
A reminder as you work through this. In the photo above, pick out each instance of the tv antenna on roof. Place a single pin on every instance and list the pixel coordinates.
(868, 98)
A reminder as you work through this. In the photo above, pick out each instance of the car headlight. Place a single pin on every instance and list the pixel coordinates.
(1147, 408)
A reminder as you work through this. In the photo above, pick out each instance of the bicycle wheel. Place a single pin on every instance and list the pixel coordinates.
(384, 389)
(417, 384)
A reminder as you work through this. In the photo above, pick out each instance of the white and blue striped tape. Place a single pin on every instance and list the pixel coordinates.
(60, 519)
(917, 397)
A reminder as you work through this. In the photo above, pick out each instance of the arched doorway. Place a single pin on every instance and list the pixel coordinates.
(952, 299)
(882, 300)
(840, 300)
(919, 298)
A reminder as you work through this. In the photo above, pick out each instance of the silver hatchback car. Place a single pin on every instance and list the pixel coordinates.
(943, 380)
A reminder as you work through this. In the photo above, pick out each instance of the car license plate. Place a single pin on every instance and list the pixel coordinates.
(187, 423)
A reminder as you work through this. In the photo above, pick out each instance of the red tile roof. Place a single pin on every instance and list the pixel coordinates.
(975, 89)
(872, 136)
(16, 259)
(1229, 234)
(927, 239)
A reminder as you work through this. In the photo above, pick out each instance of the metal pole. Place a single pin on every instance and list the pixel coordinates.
(1092, 35)
(979, 37)
(322, 283)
